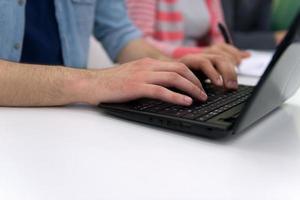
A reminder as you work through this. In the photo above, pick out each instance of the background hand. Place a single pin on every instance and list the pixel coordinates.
(279, 36)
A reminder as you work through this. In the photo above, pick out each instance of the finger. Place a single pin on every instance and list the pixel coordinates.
(204, 65)
(177, 67)
(164, 94)
(227, 71)
(223, 54)
(233, 52)
(172, 79)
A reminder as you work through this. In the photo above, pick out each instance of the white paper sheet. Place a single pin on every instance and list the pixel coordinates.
(256, 64)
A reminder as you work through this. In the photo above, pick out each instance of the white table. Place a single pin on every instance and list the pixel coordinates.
(79, 153)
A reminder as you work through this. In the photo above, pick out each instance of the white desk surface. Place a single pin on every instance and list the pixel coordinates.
(79, 153)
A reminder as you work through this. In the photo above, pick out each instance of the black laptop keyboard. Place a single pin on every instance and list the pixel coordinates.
(218, 102)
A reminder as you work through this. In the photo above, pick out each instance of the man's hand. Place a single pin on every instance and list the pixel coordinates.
(218, 63)
(230, 52)
(143, 78)
(219, 69)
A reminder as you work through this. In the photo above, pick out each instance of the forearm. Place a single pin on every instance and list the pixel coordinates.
(138, 49)
(35, 85)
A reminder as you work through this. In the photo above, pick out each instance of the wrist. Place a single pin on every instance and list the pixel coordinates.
(79, 86)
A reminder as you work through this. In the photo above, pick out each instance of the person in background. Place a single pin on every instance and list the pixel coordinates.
(181, 27)
(44, 48)
(259, 24)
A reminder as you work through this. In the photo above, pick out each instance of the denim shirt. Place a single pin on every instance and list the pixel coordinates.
(77, 20)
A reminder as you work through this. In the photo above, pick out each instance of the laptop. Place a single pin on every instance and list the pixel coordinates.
(225, 113)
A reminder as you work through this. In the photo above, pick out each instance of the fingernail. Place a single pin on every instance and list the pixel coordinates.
(232, 84)
(188, 100)
(203, 96)
(220, 81)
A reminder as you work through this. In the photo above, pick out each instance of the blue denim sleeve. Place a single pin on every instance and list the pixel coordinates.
(113, 27)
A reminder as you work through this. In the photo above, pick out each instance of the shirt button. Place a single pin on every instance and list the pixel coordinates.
(17, 46)
(21, 2)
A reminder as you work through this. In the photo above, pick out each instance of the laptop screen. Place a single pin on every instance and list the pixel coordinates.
(279, 82)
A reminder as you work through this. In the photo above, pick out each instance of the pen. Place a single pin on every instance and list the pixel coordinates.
(225, 33)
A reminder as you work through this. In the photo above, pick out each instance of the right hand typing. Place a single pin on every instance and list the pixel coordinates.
(145, 78)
